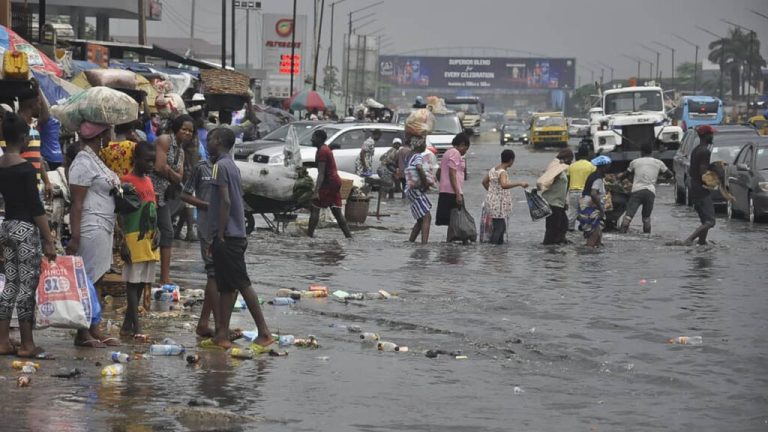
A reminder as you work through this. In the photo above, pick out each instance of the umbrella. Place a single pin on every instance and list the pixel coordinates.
(307, 100)
(37, 59)
(55, 89)
(285, 115)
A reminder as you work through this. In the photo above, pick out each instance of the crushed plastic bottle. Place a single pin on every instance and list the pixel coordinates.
(686, 340)
(241, 353)
(355, 296)
(286, 340)
(166, 350)
(367, 336)
(387, 346)
(28, 369)
(119, 357)
(113, 370)
(282, 301)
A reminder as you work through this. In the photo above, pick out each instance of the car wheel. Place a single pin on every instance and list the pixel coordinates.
(250, 223)
(751, 209)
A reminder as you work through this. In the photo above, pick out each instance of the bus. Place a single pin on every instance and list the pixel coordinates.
(695, 111)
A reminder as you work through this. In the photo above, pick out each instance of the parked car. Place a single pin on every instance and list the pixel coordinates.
(513, 132)
(748, 181)
(728, 141)
(304, 129)
(345, 139)
(447, 125)
(578, 127)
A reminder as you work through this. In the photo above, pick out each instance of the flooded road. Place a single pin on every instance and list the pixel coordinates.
(556, 338)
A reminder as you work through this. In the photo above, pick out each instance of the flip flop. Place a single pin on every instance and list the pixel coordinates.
(90, 343)
(110, 342)
(235, 334)
(259, 349)
(209, 344)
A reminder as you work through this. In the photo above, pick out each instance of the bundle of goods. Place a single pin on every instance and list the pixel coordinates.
(98, 105)
(112, 78)
(420, 123)
(222, 81)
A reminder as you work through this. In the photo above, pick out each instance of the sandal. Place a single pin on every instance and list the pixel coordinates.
(209, 344)
(90, 343)
(235, 334)
(259, 349)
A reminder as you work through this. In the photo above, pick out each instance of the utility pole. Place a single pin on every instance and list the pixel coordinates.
(41, 20)
(232, 24)
(658, 56)
(610, 68)
(142, 9)
(223, 34)
(673, 59)
(318, 37)
(722, 59)
(192, 27)
(695, 61)
(346, 72)
(329, 62)
(293, 46)
(247, 38)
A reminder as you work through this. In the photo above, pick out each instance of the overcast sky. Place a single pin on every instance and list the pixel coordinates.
(592, 31)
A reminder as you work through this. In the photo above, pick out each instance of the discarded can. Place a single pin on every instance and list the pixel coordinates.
(686, 340)
(23, 381)
(113, 370)
(141, 338)
(19, 365)
(387, 346)
(119, 357)
(193, 359)
(319, 288)
(241, 353)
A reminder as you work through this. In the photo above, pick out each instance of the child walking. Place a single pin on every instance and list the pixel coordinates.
(140, 246)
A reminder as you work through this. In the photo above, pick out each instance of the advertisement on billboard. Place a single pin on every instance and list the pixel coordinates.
(277, 34)
(477, 72)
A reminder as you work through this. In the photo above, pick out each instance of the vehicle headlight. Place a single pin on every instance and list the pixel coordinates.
(525, 135)
(763, 186)
(277, 159)
(507, 136)
(602, 140)
(675, 136)
(493, 129)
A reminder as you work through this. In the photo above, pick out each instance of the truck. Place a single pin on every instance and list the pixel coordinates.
(548, 129)
(634, 118)
(469, 109)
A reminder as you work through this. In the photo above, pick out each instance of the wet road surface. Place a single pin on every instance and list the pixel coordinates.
(556, 338)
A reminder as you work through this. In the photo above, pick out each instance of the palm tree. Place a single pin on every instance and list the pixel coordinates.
(735, 54)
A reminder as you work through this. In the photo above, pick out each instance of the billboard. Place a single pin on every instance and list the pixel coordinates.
(477, 72)
(277, 32)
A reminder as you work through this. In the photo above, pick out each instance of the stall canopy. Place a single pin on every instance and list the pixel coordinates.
(9, 40)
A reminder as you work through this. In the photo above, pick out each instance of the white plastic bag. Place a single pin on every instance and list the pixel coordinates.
(63, 298)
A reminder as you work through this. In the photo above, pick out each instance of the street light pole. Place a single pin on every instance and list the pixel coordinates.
(722, 59)
(695, 61)
(223, 34)
(610, 68)
(658, 56)
(318, 35)
(673, 59)
(349, 43)
(293, 46)
(330, 44)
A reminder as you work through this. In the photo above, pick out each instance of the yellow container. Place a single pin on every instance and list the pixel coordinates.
(15, 65)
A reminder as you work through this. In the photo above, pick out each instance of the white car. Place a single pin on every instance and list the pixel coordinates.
(578, 127)
(346, 141)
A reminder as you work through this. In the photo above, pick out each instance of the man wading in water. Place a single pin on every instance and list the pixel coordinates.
(702, 198)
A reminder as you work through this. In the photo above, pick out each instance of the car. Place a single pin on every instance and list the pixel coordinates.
(578, 127)
(728, 140)
(277, 137)
(345, 139)
(548, 128)
(513, 132)
(401, 115)
(748, 181)
(447, 126)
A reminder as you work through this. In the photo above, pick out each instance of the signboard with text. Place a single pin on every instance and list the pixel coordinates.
(477, 72)
(277, 40)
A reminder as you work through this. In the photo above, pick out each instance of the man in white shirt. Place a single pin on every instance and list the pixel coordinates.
(646, 172)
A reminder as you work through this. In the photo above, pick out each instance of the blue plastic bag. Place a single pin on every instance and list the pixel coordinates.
(95, 304)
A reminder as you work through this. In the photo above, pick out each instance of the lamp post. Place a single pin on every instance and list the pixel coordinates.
(638, 60)
(658, 57)
(723, 40)
(673, 59)
(329, 62)
(695, 61)
(609, 67)
(752, 35)
(349, 43)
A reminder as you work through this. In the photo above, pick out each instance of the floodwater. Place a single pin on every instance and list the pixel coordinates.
(556, 338)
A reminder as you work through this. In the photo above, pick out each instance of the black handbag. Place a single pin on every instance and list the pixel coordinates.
(126, 199)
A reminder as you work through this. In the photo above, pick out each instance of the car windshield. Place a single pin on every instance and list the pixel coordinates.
(280, 133)
(306, 138)
(463, 107)
(726, 153)
(644, 100)
(447, 124)
(762, 158)
(700, 107)
(549, 121)
(516, 128)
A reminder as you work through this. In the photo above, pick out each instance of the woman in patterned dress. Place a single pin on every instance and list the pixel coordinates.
(418, 182)
(497, 206)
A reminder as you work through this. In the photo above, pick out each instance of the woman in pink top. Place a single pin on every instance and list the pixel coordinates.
(452, 169)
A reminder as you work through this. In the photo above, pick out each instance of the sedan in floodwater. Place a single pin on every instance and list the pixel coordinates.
(513, 132)
(748, 182)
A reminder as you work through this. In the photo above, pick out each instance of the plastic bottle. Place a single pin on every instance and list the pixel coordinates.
(687, 340)
(119, 357)
(282, 301)
(28, 369)
(314, 294)
(113, 370)
(369, 336)
(19, 365)
(356, 296)
(387, 346)
(286, 340)
(241, 353)
(285, 292)
(319, 288)
(166, 350)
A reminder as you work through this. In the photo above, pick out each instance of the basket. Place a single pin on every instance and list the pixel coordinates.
(222, 81)
(356, 210)
(346, 188)
(220, 101)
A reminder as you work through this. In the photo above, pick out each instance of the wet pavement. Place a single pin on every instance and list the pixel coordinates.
(556, 338)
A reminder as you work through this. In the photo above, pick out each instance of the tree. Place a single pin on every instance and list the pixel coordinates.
(330, 79)
(735, 54)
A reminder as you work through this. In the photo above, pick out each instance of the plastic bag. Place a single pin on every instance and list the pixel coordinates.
(420, 123)
(114, 78)
(538, 206)
(63, 297)
(99, 105)
(462, 225)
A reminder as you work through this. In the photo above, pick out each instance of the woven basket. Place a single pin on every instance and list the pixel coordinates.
(222, 81)
(356, 210)
(346, 188)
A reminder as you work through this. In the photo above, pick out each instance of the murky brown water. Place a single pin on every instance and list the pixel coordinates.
(574, 330)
